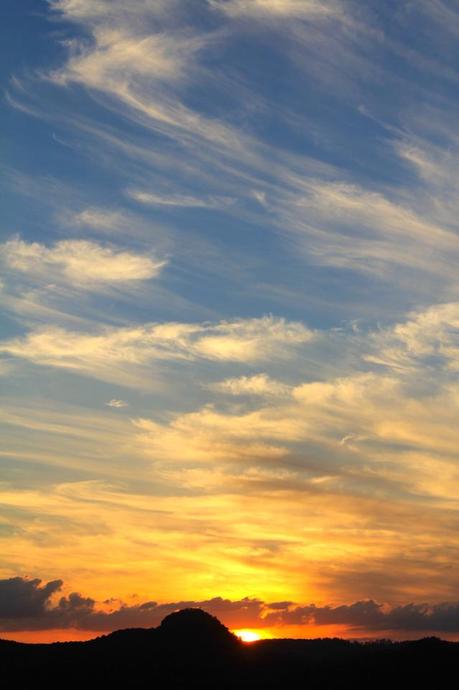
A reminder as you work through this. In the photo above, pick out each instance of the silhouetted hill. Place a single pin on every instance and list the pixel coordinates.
(191, 649)
(205, 631)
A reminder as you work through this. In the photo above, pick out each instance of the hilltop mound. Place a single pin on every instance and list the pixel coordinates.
(196, 627)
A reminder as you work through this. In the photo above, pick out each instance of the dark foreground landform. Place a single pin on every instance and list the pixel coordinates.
(192, 649)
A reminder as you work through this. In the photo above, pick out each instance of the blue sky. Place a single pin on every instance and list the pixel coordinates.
(230, 297)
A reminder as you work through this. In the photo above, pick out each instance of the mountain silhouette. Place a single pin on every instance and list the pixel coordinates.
(194, 627)
(192, 649)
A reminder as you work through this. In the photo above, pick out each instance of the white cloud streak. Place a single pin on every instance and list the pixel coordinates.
(97, 219)
(294, 9)
(178, 200)
(111, 353)
(258, 385)
(116, 403)
(82, 263)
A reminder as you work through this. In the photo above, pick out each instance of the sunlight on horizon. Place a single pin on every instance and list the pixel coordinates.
(248, 635)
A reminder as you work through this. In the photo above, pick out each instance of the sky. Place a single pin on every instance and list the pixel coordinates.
(229, 329)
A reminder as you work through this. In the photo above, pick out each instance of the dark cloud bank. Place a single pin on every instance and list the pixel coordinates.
(26, 604)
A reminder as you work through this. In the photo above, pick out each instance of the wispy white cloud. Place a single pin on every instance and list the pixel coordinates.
(111, 354)
(347, 226)
(373, 211)
(120, 57)
(428, 339)
(258, 385)
(179, 200)
(115, 402)
(97, 219)
(252, 340)
(98, 10)
(128, 42)
(130, 52)
(295, 9)
(132, 49)
(82, 263)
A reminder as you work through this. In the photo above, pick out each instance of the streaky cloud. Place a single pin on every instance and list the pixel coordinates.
(82, 263)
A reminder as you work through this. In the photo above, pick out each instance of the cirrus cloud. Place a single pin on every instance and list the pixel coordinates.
(258, 385)
(295, 9)
(110, 352)
(82, 263)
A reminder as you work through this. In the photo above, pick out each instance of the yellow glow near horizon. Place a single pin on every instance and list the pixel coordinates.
(247, 635)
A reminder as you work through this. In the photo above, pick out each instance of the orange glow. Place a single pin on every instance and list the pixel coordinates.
(246, 635)
(47, 636)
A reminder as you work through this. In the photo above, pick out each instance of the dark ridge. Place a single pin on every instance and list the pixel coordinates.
(200, 627)
(192, 649)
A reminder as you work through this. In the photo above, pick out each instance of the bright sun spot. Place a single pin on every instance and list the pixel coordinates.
(247, 635)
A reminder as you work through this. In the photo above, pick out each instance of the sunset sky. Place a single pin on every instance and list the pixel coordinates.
(229, 352)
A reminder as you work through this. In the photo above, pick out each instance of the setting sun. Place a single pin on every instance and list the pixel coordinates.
(247, 635)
